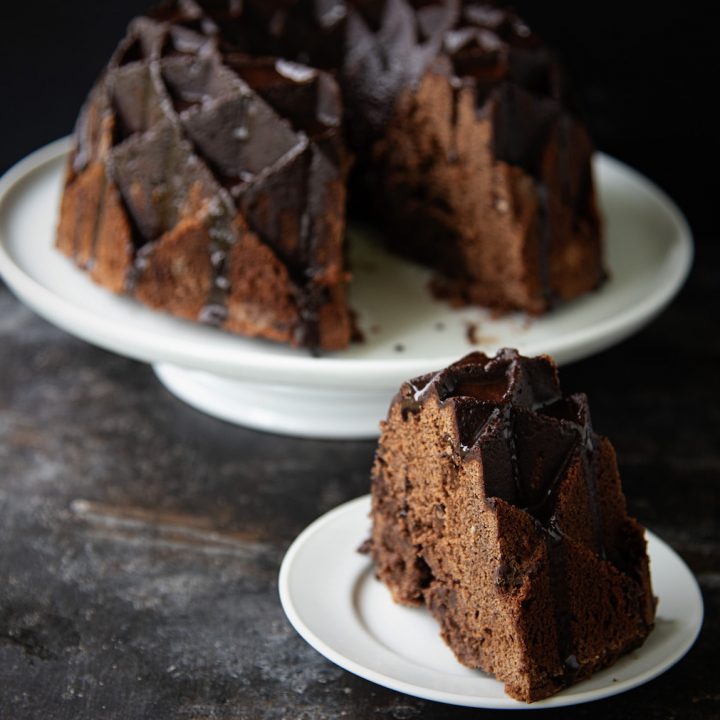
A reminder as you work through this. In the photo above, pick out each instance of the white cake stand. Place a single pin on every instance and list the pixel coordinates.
(343, 395)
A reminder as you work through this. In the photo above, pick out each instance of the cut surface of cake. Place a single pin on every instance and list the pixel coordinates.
(496, 505)
(214, 157)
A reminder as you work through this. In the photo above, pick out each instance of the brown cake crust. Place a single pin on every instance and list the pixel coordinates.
(497, 506)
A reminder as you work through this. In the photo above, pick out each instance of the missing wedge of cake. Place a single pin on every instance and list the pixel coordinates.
(496, 505)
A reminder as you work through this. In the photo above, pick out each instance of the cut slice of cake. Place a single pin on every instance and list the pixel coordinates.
(496, 505)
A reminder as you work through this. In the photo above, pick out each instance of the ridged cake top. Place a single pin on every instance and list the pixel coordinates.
(511, 414)
(242, 115)
(374, 48)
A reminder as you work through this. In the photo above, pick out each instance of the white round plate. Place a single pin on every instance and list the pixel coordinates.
(330, 595)
(407, 332)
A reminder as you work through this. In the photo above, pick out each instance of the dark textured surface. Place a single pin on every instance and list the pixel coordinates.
(140, 541)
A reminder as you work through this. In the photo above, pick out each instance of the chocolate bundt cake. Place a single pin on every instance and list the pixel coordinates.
(496, 505)
(212, 160)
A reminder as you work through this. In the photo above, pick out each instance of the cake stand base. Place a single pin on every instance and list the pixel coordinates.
(284, 409)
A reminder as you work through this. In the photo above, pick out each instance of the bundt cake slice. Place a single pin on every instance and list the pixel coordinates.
(212, 190)
(496, 505)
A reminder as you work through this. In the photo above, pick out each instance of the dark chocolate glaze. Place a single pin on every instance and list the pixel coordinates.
(511, 414)
(378, 48)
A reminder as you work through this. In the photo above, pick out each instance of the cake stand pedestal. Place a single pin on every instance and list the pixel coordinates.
(288, 410)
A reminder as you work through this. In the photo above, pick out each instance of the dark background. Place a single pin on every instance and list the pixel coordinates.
(140, 540)
(643, 79)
